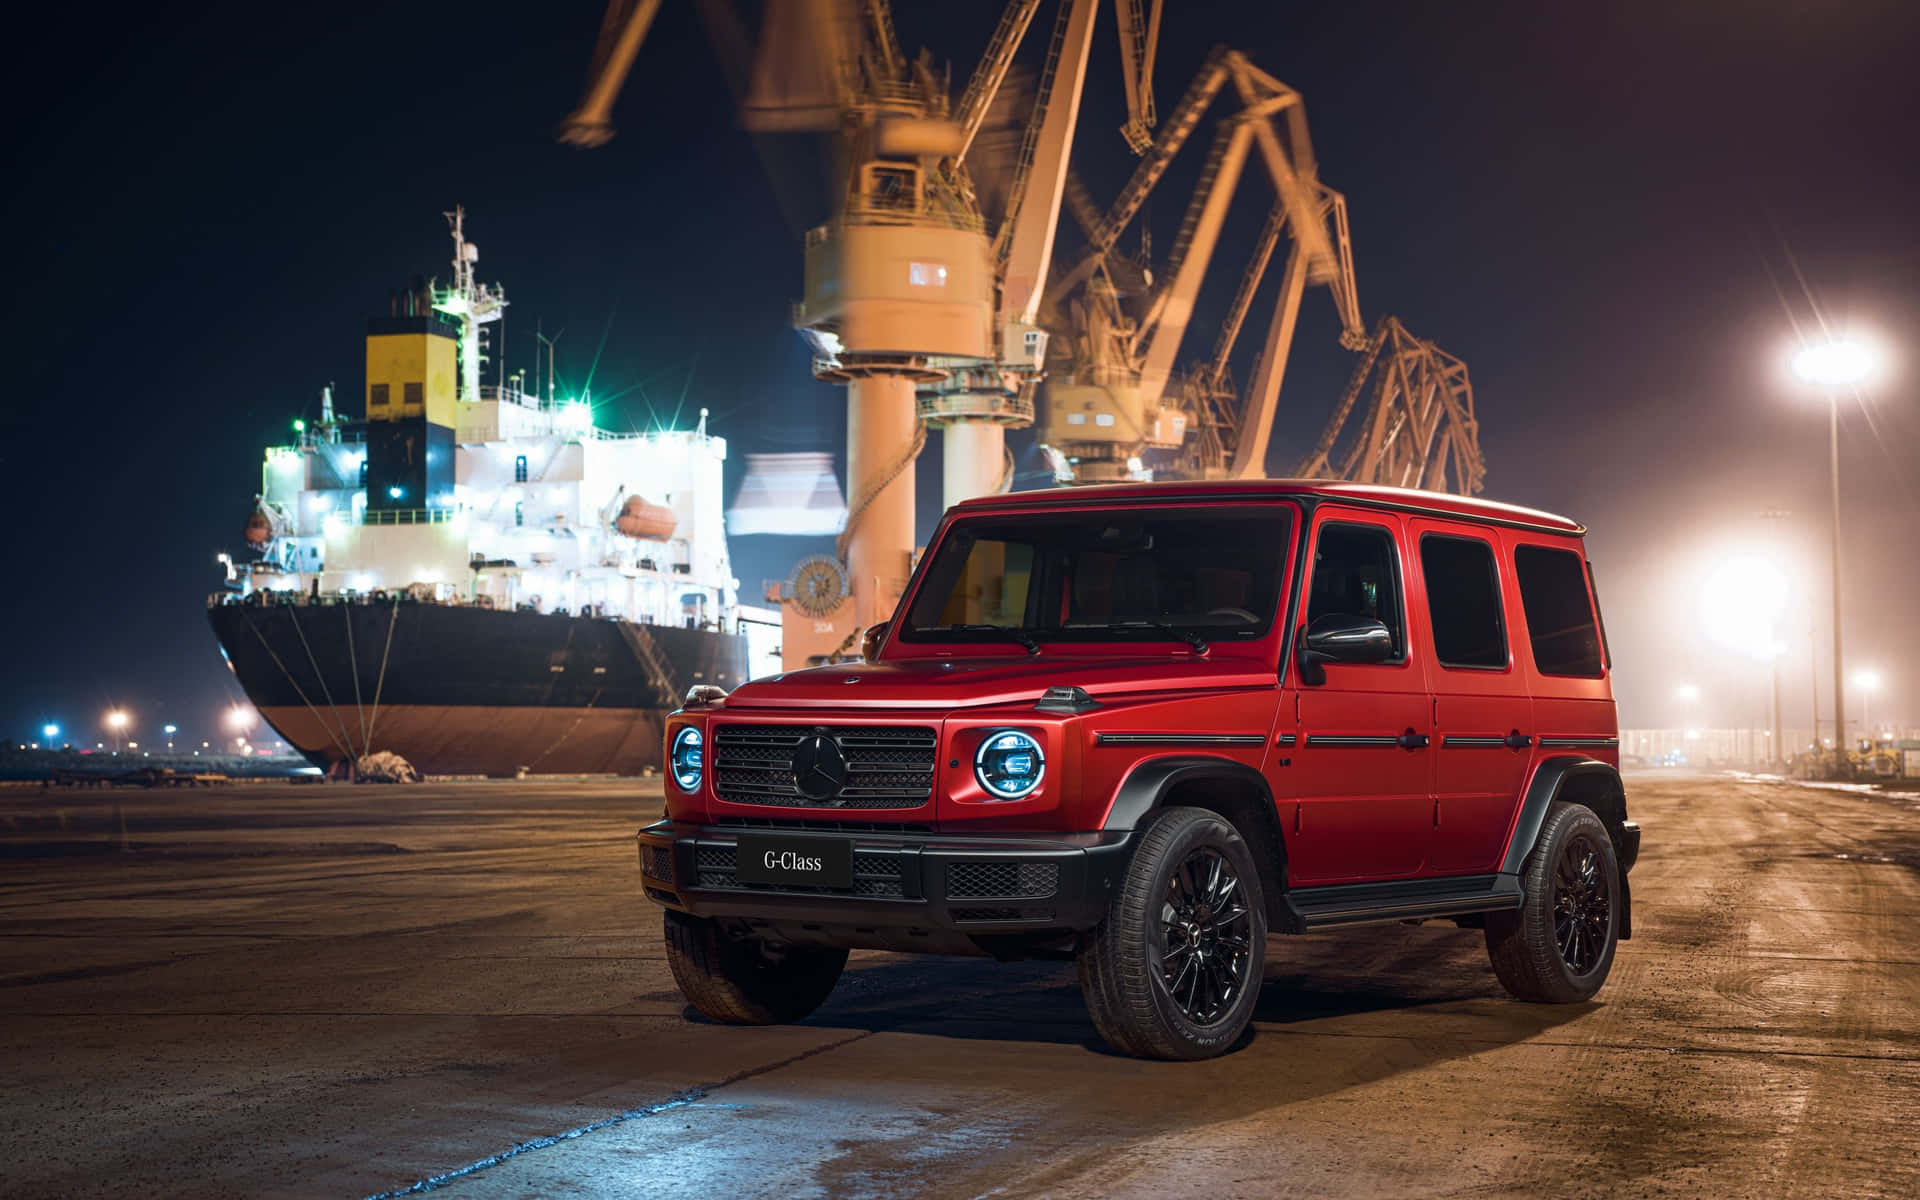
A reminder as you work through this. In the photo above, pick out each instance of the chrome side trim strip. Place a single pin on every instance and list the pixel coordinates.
(1351, 741)
(1579, 741)
(1473, 742)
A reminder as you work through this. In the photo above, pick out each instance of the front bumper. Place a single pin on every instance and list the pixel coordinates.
(911, 890)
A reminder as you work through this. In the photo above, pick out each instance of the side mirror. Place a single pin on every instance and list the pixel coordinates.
(870, 642)
(1339, 638)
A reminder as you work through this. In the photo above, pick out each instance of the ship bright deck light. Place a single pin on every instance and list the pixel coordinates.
(50, 732)
(1009, 764)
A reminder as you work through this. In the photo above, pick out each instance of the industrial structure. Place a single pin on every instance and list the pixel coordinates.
(931, 293)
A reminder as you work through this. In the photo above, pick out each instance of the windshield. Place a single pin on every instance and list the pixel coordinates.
(1193, 575)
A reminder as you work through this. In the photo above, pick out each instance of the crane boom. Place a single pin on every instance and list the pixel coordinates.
(622, 30)
(1147, 172)
(1040, 177)
(984, 84)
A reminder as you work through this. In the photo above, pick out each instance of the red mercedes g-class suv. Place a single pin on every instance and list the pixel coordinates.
(1144, 725)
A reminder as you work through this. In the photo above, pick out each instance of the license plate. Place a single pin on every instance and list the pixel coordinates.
(811, 862)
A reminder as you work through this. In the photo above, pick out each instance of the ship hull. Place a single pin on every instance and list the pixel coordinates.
(469, 691)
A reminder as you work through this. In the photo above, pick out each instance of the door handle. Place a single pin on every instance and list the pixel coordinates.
(1518, 741)
(1414, 741)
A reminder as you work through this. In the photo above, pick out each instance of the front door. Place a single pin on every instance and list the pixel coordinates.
(1357, 802)
(1483, 709)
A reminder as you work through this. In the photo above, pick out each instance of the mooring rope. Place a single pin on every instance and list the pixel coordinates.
(320, 675)
(297, 690)
(380, 685)
(353, 664)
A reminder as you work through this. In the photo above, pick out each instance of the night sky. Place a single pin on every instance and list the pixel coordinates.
(1589, 203)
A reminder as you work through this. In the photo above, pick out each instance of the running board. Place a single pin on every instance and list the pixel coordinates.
(1404, 900)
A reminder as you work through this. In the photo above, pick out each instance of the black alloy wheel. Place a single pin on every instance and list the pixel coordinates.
(1582, 905)
(1207, 934)
(1174, 969)
(1558, 946)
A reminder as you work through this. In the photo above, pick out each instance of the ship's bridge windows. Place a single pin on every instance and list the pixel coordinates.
(378, 395)
(520, 468)
(413, 394)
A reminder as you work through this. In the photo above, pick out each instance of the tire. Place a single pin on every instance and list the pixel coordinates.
(1557, 948)
(743, 981)
(1163, 974)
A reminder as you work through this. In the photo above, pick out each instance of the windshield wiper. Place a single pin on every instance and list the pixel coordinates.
(1188, 636)
(1012, 633)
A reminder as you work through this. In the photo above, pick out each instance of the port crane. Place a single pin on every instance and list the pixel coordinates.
(930, 291)
(916, 298)
(1113, 396)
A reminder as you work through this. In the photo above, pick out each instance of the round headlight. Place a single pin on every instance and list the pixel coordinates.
(1009, 764)
(687, 758)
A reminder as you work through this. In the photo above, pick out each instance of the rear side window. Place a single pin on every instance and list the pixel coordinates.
(1463, 602)
(1356, 574)
(1560, 621)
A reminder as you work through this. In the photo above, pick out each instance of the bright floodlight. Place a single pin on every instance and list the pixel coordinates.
(1867, 680)
(1742, 600)
(1687, 693)
(1842, 363)
(239, 719)
(170, 730)
(117, 719)
(50, 732)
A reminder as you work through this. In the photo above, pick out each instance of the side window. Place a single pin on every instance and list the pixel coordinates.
(1463, 602)
(1560, 620)
(1357, 574)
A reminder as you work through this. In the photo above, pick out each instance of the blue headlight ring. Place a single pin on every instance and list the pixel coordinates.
(688, 743)
(992, 744)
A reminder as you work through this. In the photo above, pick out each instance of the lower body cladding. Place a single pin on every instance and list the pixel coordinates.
(880, 889)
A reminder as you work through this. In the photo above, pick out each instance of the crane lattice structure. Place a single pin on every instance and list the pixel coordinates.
(1114, 401)
(1419, 430)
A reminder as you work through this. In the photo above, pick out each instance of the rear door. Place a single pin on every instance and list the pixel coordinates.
(1357, 800)
(1483, 711)
(1565, 649)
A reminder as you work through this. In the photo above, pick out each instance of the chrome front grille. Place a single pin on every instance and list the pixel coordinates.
(888, 766)
(876, 875)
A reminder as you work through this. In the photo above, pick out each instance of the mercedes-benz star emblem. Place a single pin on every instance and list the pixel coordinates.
(819, 769)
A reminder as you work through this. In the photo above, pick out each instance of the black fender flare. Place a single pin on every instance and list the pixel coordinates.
(1550, 780)
(1151, 779)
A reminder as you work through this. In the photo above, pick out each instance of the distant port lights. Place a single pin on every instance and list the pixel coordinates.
(1009, 764)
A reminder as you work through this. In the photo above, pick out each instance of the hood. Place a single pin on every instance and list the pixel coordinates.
(919, 683)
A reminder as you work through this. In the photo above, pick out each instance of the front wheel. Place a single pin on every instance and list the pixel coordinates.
(744, 981)
(1174, 969)
(1558, 947)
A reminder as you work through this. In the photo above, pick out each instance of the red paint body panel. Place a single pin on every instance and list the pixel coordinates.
(1476, 788)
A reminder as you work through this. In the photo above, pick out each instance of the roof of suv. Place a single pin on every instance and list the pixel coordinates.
(1403, 499)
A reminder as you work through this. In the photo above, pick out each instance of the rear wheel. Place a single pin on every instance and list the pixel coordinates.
(1558, 947)
(744, 981)
(1174, 969)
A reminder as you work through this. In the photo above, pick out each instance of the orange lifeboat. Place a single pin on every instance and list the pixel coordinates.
(259, 529)
(638, 519)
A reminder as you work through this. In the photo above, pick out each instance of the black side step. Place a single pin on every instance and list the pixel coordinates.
(1405, 900)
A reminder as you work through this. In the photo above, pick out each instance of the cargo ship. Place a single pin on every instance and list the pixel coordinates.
(478, 577)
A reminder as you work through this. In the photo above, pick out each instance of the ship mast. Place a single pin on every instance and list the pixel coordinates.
(471, 304)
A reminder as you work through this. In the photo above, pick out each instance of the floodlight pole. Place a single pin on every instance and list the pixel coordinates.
(1841, 762)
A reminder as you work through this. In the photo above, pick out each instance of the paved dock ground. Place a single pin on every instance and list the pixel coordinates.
(340, 991)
